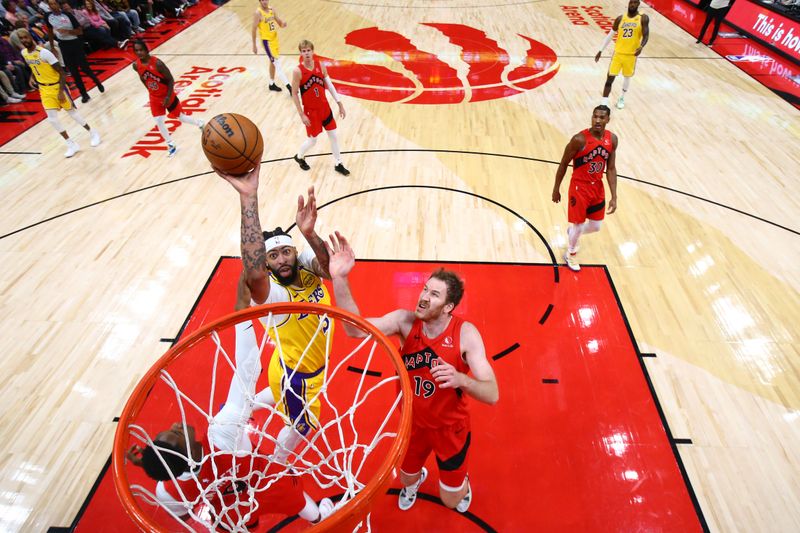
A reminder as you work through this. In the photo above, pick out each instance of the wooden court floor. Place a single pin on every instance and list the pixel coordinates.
(103, 255)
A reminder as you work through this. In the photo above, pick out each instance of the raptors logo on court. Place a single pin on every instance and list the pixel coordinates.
(490, 71)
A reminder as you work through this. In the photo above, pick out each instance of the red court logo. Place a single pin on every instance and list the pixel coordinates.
(490, 72)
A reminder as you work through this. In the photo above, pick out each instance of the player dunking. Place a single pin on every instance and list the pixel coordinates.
(158, 80)
(265, 19)
(633, 30)
(592, 152)
(310, 79)
(438, 350)
(53, 92)
(225, 479)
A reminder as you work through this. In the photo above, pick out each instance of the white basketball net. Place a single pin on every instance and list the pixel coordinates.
(335, 456)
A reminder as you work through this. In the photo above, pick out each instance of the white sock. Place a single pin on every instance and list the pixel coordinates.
(307, 145)
(574, 233)
(74, 115)
(337, 154)
(265, 397)
(311, 511)
(626, 82)
(52, 118)
(162, 129)
(604, 101)
(186, 119)
(287, 440)
(279, 70)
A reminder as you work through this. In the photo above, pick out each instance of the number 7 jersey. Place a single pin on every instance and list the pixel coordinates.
(434, 406)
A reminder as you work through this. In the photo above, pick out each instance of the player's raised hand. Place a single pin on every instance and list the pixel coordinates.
(446, 375)
(245, 185)
(342, 257)
(306, 216)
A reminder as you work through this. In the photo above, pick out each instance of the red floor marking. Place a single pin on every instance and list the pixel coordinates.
(18, 118)
(770, 69)
(588, 453)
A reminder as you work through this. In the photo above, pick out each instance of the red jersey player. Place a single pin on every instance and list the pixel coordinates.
(309, 81)
(438, 350)
(158, 80)
(592, 152)
(186, 486)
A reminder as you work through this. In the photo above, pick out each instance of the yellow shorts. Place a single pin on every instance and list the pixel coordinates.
(272, 47)
(296, 394)
(624, 62)
(49, 96)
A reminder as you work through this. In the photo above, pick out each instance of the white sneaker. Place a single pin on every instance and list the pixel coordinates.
(463, 505)
(572, 261)
(201, 125)
(171, 149)
(17, 95)
(95, 138)
(408, 495)
(326, 508)
(72, 148)
(621, 103)
(13, 100)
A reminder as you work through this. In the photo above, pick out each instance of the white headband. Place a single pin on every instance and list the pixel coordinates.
(278, 240)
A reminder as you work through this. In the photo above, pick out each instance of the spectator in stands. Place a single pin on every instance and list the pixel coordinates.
(63, 25)
(7, 93)
(13, 65)
(123, 8)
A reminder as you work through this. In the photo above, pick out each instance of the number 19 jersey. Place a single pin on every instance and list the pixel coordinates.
(434, 406)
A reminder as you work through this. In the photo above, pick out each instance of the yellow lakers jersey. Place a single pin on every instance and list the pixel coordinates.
(296, 330)
(629, 34)
(43, 71)
(268, 26)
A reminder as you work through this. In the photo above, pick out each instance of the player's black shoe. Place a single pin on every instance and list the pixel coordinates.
(289, 88)
(302, 163)
(341, 170)
(273, 87)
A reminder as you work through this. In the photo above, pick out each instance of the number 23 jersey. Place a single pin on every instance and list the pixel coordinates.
(434, 406)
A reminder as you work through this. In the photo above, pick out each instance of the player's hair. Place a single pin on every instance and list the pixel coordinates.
(603, 108)
(455, 287)
(141, 43)
(153, 467)
(305, 43)
(273, 233)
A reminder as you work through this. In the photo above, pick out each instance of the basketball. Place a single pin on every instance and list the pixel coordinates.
(232, 143)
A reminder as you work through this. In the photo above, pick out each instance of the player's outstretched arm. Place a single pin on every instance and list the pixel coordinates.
(573, 147)
(306, 219)
(482, 385)
(280, 21)
(254, 253)
(611, 174)
(342, 261)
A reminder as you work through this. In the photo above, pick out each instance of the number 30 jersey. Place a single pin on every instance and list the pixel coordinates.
(590, 163)
(434, 406)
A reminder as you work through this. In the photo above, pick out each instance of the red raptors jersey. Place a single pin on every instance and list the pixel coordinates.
(153, 79)
(590, 163)
(312, 87)
(284, 496)
(433, 406)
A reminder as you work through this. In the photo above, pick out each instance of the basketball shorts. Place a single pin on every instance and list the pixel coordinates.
(296, 393)
(272, 48)
(622, 62)
(284, 496)
(450, 445)
(49, 96)
(320, 119)
(158, 110)
(586, 200)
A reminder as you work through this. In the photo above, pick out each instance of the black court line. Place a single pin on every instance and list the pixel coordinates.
(404, 6)
(85, 504)
(682, 441)
(116, 419)
(465, 152)
(505, 352)
(435, 499)
(640, 57)
(373, 373)
(688, 482)
(551, 381)
(164, 339)
(546, 314)
(647, 355)
(20, 153)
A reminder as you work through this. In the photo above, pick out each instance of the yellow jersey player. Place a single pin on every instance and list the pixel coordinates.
(274, 272)
(632, 30)
(53, 92)
(265, 24)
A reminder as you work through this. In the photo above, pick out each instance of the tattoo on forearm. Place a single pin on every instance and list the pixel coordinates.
(254, 254)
